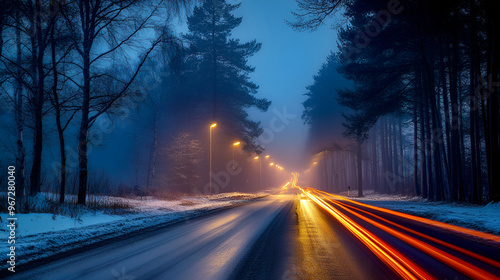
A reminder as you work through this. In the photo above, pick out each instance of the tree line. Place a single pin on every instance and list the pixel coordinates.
(424, 92)
(73, 66)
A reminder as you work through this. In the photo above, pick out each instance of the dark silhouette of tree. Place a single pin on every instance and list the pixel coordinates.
(215, 84)
(322, 112)
(409, 58)
(101, 89)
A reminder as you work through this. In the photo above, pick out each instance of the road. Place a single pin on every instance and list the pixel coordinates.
(414, 247)
(289, 236)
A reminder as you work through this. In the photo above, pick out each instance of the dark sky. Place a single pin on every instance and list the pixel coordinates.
(284, 67)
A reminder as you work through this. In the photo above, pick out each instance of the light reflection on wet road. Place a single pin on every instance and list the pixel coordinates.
(282, 236)
(325, 251)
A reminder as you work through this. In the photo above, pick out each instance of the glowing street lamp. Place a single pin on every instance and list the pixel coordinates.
(235, 144)
(260, 170)
(211, 126)
(267, 156)
(272, 163)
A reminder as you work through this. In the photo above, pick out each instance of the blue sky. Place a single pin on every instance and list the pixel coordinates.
(284, 67)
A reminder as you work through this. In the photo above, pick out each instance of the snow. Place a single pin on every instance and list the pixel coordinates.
(483, 218)
(35, 223)
(208, 248)
(40, 235)
(154, 205)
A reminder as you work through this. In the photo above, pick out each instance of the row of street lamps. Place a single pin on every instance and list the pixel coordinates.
(236, 144)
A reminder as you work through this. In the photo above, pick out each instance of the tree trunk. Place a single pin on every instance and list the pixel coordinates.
(415, 147)
(446, 107)
(37, 44)
(428, 148)
(374, 160)
(20, 155)
(383, 152)
(84, 126)
(360, 169)
(155, 150)
(401, 153)
(395, 157)
(457, 179)
(473, 105)
(423, 152)
(493, 28)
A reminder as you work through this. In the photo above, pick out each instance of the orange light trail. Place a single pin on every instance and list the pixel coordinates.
(444, 257)
(430, 238)
(399, 263)
(454, 228)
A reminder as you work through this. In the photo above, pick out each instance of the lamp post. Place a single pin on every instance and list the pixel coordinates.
(211, 126)
(235, 144)
(260, 171)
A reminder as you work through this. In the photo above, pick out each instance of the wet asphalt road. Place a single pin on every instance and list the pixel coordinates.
(282, 236)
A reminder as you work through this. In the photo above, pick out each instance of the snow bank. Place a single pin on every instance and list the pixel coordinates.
(483, 218)
(40, 235)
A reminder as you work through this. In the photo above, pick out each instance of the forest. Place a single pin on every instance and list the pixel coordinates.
(407, 102)
(75, 74)
(419, 96)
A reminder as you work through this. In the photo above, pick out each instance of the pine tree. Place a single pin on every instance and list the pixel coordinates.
(216, 84)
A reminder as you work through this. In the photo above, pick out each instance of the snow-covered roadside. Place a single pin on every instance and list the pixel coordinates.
(41, 235)
(483, 218)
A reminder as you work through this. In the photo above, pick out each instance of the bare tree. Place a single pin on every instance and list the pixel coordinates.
(61, 100)
(94, 20)
(313, 13)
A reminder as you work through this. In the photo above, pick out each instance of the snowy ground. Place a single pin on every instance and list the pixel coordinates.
(40, 235)
(483, 218)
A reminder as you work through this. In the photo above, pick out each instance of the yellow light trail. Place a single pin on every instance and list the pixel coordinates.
(444, 257)
(454, 228)
(430, 238)
(400, 264)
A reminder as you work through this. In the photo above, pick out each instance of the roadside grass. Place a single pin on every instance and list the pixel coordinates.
(49, 203)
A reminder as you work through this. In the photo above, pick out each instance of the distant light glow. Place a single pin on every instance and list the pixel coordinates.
(256, 157)
(272, 163)
(236, 143)
(213, 125)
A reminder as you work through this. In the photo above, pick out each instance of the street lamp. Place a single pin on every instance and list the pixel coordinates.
(260, 171)
(211, 126)
(235, 144)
